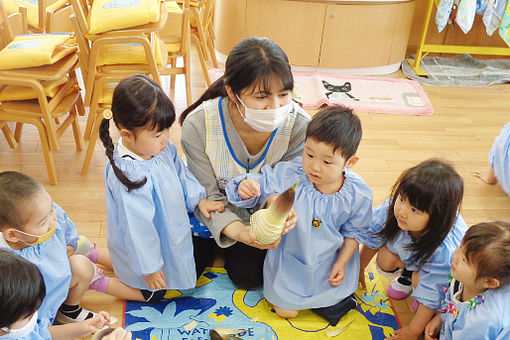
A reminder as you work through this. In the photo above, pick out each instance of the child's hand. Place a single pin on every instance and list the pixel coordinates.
(292, 218)
(205, 206)
(337, 274)
(70, 250)
(156, 280)
(433, 328)
(248, 188)
(92, 325)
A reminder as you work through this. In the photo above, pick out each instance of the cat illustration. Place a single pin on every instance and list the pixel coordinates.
(345, 88)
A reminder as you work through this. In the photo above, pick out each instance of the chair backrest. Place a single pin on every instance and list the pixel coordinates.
(81, 11)
(177, 27)
(58, 20)
(6, 32)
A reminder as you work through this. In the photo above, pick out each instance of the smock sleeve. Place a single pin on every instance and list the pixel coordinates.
(379, 215)
(192, 189)
(433, 278)
(136, 216)
(65, 223)
(357, 225)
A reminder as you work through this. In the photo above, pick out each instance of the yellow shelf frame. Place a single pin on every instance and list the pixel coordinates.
(424, 49)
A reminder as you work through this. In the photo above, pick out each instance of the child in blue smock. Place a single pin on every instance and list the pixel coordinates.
(316, 265)
(149, 193)
(22, 290)
(499, 162)
(414, 234)
(476, 303)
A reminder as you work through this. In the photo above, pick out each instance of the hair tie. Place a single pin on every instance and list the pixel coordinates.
(107, 114)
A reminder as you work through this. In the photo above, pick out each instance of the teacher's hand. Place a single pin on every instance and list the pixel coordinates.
(248, 238)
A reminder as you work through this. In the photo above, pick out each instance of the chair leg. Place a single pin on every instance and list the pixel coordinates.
(92, 142)
(76, 129)
(210, 46)
(18, 131)
(202, 61)
(8, 135)
(48, 154)
(173, 63)
(187, 76)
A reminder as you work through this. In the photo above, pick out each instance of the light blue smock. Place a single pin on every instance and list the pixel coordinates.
(51, 259)
(434, 273)
(499, 158)
(40, 332)
(489, 320)
(149, 228)
(296, 273)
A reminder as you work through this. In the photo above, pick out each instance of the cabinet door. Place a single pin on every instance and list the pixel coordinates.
(365, 35)
(295, 26)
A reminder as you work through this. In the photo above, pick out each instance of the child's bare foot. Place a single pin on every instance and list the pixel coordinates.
(486, 175)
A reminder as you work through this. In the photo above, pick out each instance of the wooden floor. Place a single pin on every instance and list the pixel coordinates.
(462, 130)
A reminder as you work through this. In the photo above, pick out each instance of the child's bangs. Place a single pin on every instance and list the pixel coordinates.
(163, 115)
(420, 195)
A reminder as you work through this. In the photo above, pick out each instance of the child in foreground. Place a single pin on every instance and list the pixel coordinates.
(22, 291)
(316, 265)
(414, 234)
(476, 303)
(149, 193)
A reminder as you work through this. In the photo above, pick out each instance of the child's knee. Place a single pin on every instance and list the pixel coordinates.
(82, 270)
(387, 260)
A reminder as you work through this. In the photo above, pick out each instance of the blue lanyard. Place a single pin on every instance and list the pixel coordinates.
(247, 165)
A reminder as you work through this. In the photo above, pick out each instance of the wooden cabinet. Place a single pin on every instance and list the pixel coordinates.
(320, 33)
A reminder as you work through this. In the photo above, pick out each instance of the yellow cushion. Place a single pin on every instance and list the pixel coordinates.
(30, 50)
(127, 53)
(173, 6)
(12, 6)
(110, 15)
(107, 94)
(174, 47)
(12, 92)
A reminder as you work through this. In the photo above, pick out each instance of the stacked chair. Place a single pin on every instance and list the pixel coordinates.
(41, 12)
(38, 85)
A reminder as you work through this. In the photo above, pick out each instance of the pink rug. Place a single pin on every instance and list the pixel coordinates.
(362, 94)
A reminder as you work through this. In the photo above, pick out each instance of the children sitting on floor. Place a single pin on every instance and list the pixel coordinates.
(316, 264)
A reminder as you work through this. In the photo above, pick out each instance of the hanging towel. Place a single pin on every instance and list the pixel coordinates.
(444, 8)
(493, 15)
(504, 29)
(466, 15)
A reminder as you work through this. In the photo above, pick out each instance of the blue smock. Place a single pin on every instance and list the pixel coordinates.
(149, 228)
(499, 158)
(296, 273)
(489, 320)
(434, 273)
(51, 259)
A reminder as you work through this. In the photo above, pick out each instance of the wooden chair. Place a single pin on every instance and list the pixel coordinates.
(145, 35)
(43, 111)
(38, 13)
(202, 29)
(8, 134)
(177, 38)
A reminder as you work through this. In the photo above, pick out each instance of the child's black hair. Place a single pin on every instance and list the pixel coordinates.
(338, 127)
(15, 190)
(22, 288)
(486, 246)
(434, 187)
(138, 102)
(251, 61)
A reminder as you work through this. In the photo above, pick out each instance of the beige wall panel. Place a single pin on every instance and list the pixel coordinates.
(229, 20)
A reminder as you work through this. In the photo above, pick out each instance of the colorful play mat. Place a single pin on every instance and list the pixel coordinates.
(217, 304)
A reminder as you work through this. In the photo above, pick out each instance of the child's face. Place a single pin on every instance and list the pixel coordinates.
(323, 167)
(408, 217)
(461, 269)
(42, 217)
(148, 143)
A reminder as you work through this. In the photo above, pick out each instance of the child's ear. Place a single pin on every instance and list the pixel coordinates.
(127, 135)
(351, 161)
(10, 235)
(491, 283)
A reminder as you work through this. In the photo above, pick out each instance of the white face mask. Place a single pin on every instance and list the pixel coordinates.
(21, 332)
(265, 120)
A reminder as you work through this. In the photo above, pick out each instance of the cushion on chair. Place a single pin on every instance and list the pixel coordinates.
(127, 53)
(30, 50)
(12, 6)
(12, 92)
(110, 15)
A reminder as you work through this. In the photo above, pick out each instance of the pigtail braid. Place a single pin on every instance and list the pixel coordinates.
(104, 134)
